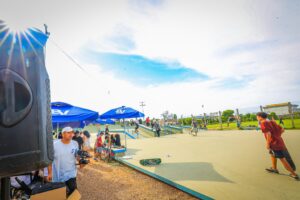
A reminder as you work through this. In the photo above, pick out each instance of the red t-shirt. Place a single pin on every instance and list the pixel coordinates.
(277, 142)
(99, 142)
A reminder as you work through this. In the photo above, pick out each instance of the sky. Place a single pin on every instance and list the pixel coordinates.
(187, 57)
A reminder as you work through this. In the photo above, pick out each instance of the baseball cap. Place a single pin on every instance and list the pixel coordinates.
(67, 129)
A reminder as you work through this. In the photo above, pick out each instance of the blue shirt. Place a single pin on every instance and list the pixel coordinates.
(64, 163)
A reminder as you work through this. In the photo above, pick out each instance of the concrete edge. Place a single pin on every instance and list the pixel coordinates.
(165, 180)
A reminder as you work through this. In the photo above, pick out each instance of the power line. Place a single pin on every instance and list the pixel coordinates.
(69, 56)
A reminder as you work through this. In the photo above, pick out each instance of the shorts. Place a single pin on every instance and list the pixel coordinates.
(71, 186)
(99, 149)
(277, 153)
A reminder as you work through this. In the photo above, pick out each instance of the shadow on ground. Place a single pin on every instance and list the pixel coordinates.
(194, 171)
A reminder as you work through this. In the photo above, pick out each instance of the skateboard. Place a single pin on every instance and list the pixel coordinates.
(289, 159)
(150, 161)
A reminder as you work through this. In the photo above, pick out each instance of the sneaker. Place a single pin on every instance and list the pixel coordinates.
(296, 177)
(271, 170)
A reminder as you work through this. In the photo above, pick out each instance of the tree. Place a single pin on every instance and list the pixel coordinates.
(226, 114)
(175, 116)
(180, 121)
(253, 117)
(247, 117)
(188, 121)
(273, 115)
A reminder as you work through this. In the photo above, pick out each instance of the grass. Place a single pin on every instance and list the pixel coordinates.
(232, 126)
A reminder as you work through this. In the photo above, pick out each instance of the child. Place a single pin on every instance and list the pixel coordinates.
(98, 145)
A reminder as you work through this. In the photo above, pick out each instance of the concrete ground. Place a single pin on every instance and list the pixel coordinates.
(220, 164)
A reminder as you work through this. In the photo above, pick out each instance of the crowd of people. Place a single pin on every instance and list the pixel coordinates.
(104, 143)
(66, 157)
(154, 124)
(68, 143)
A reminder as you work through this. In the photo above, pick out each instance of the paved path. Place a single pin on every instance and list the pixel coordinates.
(220, 164)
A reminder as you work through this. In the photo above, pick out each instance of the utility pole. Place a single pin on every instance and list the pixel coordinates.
(238, 119)
(261, 109)
(220, 120)
(142, 104)
(291, 114)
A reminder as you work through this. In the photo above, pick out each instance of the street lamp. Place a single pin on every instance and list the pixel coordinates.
(142, 104)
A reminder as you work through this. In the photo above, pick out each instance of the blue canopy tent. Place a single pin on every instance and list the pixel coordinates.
(122, 113)
(64, 114)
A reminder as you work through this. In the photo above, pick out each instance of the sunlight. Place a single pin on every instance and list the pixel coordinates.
(16, 26)
(19, 36)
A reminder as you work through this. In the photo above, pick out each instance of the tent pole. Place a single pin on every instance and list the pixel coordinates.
(125, 133)
(57, 129)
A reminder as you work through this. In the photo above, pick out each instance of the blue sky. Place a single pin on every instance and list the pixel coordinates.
(143, 71)
(173, 55)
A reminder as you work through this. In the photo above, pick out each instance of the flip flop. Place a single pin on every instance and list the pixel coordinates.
(271, 170)
(296, 177)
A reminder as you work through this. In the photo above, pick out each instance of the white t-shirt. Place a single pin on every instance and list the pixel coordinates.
(64, 163)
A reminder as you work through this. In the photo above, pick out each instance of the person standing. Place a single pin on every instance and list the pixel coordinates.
(78, 139)
(275, 144)
(238, 122)
(157, 128)
(152, 123)
(98, 145)
(86, 141)
(106, 129)
(194, 128)
(281, 121)
(140, 121)
(204, 123)
(136, 129)
(147, 121)
(63, 168)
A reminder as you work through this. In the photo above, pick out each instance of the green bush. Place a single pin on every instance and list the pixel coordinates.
(273, 115)
(226, 114)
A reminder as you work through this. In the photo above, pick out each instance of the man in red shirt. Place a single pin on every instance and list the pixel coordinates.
(147, 121)
(275, 143)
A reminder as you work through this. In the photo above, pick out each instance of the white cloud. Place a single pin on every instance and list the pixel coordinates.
(191, 32)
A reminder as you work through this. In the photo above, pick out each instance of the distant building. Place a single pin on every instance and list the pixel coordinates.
(281, 108)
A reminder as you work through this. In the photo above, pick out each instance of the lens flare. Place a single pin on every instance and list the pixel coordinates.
(19, 38)
(16, 26)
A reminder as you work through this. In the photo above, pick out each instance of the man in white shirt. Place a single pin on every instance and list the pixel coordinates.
(63, 168)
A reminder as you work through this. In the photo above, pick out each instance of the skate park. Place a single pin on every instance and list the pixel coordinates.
(217, 164)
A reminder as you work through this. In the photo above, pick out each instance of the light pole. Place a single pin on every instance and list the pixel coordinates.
(142, 104)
